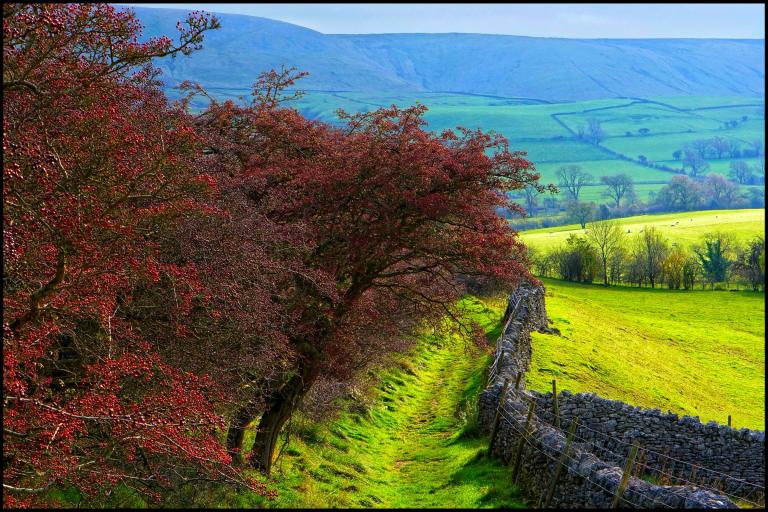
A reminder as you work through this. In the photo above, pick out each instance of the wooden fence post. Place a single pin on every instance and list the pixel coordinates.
(499, 362)
(517, 380)
(729, 420)
(561, 463)
(640, 461)
(625, 476)
(555, 404)
(662, 471)
(496, 419)
(693, 474)
(523, 438)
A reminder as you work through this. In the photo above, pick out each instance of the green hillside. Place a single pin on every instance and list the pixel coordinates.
(684, 228)
(700, 353)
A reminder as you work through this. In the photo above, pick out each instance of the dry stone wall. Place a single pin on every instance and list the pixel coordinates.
(590, 479)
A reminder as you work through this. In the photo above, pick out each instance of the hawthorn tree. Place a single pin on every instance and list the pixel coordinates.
(96, 167)
(381, 222)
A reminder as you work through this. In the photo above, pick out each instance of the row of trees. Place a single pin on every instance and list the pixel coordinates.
(608, 253)
(721, 147)
(694, 156)
(170, 278)
(682, 193)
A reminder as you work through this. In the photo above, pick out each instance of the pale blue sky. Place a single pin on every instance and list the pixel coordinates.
(542, 20)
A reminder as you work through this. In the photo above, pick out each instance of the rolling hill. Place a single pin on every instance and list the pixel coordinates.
(500, 65)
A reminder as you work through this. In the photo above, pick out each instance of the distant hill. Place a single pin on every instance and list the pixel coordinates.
(512, 66)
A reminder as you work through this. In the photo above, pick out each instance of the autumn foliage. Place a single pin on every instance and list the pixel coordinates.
(169, 277)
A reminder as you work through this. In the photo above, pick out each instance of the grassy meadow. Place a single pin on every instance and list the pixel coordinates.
(684, 228)
(700, 353)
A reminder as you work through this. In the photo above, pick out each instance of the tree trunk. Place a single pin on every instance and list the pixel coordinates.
(236, 432)
(279, 407)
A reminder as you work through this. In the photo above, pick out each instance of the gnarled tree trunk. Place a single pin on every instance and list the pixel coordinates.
(279, 407)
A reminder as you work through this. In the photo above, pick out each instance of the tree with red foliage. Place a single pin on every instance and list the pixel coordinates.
(379, 221)
(96, 168)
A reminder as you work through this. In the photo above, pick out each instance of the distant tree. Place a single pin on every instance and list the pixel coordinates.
(643, 131)
(594, 132)
(572, 178)
(652, 250)
(719, 192)
(606, 236)
(757, 146)
(627, 134)
(748, 262)
(702, 147)
(693, 160)
(532, 194)
(681, 194)
(756, 197)
(581, 132)
(617, 263)
(643, 159)
(741, 172)
(691, 269)
(603, 213)
(577, 261)
(674, 265)
(677, 154)
(714, 259)
(722, 146)
(581, 212)
(760, 167)
(618, 186)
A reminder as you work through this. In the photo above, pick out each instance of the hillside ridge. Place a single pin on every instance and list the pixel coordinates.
(491, 64)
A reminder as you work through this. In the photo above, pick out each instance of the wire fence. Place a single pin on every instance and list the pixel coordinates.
(610, 492)
(738, 490)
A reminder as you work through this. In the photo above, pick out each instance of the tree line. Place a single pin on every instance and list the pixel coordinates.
(609, 254)
(172, 277)
(681, 193)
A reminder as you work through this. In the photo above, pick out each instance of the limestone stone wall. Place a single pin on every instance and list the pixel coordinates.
(592, 472)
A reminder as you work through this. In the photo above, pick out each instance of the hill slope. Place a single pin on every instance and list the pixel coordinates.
(472, 63)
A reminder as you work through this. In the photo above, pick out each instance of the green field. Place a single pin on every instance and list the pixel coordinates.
(413, 443)
(700, 353)
(683, 228)
(546, 131)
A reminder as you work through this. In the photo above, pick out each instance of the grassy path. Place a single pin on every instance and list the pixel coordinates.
(414, 442)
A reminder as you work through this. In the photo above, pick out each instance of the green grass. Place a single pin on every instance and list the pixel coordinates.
(535, 126)
(415, 446)
(683, 228)
(699, 353)
(606, 167)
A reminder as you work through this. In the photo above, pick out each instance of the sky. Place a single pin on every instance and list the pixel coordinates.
(541, 20)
